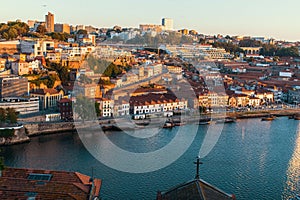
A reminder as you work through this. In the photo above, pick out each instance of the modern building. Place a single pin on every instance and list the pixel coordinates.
(13, 86)
(33, 184)
(48, 98)
(22, 105)
(49, 19)
(62, 28)
(168, 24)
(36, 47)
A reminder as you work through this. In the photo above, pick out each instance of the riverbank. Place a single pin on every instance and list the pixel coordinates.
(38, 129)
(13, 135)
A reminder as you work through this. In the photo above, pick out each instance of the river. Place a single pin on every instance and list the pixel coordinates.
(252, 159)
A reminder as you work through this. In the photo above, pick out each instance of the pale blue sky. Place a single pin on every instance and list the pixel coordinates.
(271, 18)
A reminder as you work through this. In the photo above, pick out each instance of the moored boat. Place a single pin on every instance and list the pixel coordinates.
(297, 117)
(110, 128)
(168, 125)
(269, 118)
(143, 123)
(226, 120)
(204, 121)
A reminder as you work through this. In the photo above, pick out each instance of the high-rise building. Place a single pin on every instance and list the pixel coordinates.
(62, 28)
(168, 24)
(13, 86)
(49, 22)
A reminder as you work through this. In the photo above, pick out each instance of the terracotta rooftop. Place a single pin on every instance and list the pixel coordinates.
(152, 99)
(44, 184)
(65, 100)
(45, 91)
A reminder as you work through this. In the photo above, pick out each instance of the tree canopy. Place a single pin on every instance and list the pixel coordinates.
(12, 30)
(60, 36)
(8, 115)
(41, 29)
(272, 50)
(229, 47)
(85, 108)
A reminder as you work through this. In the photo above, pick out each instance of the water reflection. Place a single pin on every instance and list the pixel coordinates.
(292, 187)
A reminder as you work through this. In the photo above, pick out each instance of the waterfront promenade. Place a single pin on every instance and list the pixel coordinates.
(33, 129)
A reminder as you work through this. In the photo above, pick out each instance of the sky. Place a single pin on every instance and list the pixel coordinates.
(271, 18)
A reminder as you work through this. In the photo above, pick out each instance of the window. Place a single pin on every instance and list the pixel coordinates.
(40, 177)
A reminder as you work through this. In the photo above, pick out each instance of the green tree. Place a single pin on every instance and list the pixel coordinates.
(41, 29)
(11, 115)
(85, 108)
(81, 32)
(2, 167)
(229, 47)
(51, 81)
(13, 30)
(112, 71)
(2, 115)
(288, 52)
(12, 33)
(202, 109)
(62, 71)
(97, 107)
(268, 50)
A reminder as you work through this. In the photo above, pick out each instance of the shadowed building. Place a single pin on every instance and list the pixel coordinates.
(196, 189)
(62, 28)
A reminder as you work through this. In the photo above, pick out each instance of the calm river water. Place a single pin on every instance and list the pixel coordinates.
(252, 159)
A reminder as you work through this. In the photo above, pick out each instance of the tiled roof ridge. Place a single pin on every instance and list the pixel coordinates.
(215, 188)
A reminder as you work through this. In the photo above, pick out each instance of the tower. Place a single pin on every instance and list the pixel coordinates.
(49, 19)
(168, 23)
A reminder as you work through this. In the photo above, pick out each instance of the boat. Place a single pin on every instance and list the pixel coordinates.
(292, 117)
(142, 123)
(110, 128)
(227, 120)
(179, 123)
(204, 121)
(297, 117)
(269, 118)
(168, 124)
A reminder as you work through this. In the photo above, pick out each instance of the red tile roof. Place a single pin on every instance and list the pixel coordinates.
(15, 184)
(45, 91)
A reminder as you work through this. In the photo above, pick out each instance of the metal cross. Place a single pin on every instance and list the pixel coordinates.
(198, 163)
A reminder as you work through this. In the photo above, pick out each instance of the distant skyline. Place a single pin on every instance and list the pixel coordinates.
(270, 18)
